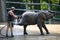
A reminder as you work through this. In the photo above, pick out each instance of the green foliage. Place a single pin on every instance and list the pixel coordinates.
(24, 0)
(55, 1)
(55, 8)
(44, 7)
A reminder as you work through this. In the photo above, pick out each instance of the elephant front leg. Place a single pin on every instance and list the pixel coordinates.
(44, 26)
(25, 33)
(39, 24)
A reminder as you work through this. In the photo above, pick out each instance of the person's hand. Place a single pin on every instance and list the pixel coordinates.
(16, 17)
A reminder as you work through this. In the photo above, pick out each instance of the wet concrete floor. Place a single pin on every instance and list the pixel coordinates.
(33, 33)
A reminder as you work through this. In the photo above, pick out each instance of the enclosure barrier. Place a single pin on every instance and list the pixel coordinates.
(26, 3)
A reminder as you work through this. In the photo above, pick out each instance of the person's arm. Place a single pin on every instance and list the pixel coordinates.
(12, 14)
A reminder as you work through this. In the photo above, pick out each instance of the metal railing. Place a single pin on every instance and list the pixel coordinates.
(26, 3)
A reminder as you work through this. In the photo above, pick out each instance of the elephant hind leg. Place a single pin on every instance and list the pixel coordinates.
(25, 26)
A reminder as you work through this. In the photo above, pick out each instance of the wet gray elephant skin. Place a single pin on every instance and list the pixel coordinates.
(32, 18)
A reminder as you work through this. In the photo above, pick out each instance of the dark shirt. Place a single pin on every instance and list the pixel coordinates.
(10, 17)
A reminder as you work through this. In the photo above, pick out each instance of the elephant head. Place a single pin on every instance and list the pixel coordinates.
(46, 14)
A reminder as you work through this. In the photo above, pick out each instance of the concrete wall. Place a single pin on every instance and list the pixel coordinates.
(2, 10)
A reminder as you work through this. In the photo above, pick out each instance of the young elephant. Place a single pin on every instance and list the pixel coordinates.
(32, 18)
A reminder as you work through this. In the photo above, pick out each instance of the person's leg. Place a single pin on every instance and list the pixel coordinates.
(8, 25)
(11, 28)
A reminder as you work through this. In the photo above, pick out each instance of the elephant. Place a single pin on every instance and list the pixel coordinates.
(32, 18)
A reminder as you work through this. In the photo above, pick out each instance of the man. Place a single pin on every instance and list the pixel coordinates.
(11, 17)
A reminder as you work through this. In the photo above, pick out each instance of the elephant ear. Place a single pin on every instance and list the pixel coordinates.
(43, 15)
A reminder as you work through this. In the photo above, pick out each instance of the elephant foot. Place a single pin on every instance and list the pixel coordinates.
(47, 33)
(25, 33)
(42, 34)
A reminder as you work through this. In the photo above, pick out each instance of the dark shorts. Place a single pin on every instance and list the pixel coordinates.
(10, 24)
